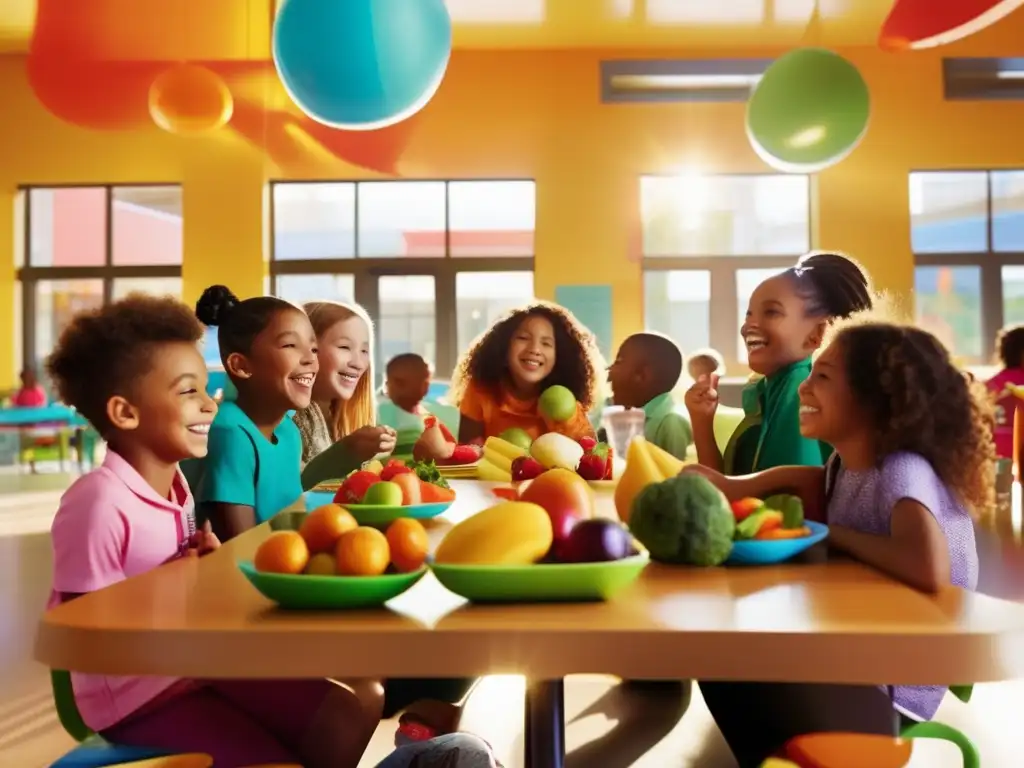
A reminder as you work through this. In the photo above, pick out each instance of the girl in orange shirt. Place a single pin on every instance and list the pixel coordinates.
(498, 381)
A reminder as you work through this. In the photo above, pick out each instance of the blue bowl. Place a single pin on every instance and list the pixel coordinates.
(767, 552)
(379, 514)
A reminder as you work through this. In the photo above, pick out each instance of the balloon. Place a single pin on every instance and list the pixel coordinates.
(189, 98)
(809, 110)
(915, 24)
(362, 64)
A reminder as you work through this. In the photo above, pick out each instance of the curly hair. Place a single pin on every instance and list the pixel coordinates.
(578, 362)
(104, 352)
(922, 403)
(1010, 343)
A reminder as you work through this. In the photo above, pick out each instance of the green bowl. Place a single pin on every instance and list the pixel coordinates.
(541, 582)
(329, 592)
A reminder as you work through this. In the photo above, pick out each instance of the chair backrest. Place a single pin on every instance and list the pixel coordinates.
(67, 711)
(962, 692)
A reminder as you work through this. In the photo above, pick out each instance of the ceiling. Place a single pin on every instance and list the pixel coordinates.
(239, 29)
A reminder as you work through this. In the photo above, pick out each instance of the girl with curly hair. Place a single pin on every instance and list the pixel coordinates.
(913, 462)
(499, 380)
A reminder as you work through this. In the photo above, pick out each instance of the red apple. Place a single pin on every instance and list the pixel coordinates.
(565, 496)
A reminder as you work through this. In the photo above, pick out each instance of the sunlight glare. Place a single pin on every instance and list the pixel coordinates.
(690, 198)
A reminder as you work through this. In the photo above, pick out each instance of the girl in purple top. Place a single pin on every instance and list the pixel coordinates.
(913, 462)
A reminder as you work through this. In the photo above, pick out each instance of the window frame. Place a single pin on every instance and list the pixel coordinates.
(29, 276)
(724, 308)
(989, 262)
(365, 271)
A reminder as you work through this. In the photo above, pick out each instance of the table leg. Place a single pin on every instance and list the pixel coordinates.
(545, 724)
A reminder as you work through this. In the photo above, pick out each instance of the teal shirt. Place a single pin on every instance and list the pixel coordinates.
(245, 468)
(666, 427)
(769, 435)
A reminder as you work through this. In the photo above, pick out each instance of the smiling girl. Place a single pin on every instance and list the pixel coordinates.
(786, 320)
(498, 381)
(337, 427)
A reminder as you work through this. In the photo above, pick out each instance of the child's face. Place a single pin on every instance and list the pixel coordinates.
(408, 383)
(777, 331)
(170, 412)
(28, 379)
(701, 365)
(828, 410)
(531, 355)
(282, 364)
(626, 376)
(344, 356)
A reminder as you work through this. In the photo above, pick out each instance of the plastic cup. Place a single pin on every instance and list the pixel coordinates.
(622, 426)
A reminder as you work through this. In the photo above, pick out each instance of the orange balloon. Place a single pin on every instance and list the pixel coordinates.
(189, 98)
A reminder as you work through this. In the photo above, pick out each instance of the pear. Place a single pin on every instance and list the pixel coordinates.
(432, 445)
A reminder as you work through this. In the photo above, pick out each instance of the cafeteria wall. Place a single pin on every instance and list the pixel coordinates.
(528, 114)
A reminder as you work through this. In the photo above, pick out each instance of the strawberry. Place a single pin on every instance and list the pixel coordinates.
(587, 444)
(526, 468)
(465, 454)
(393, 469)
(592, 467)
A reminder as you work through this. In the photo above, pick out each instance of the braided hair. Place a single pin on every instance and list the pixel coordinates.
(831, 285)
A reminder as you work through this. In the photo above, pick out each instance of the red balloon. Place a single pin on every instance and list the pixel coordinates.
(916, 24)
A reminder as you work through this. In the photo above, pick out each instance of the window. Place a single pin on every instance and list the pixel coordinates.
(707, 242)
(89, 245)
(434, 262)
(967, 233)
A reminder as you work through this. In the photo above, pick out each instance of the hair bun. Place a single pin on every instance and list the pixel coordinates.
(215, 305)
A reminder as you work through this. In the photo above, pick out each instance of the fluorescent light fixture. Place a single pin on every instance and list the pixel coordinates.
(983, 79)
(714, 80)
(682, 82)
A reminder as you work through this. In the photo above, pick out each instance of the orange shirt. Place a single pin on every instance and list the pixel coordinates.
(498, 413)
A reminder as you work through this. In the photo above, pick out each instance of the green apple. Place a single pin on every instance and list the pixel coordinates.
(517, 437)
(557, 403)
(386, 494)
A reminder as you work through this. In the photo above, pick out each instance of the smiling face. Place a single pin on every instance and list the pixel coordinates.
(344, 357)
(777, 330)
(282, 365)
(531, 355)
(828, 410)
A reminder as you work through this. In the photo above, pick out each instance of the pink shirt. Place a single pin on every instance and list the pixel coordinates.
(1006, 405)
(113, 525)
(30, 397)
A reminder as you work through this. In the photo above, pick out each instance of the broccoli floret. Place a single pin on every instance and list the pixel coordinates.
(684, 519)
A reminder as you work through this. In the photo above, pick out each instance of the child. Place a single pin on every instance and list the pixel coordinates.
(1011, 353)
(133, 369)
(407, 381)
(337, 426)
(913, 462)
(269, 352)
(31, 394)
(705, 362)
(499, 380)
(646, 369)
(786, 320)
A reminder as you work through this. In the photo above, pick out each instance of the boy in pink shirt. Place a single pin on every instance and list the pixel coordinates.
(1011, 353)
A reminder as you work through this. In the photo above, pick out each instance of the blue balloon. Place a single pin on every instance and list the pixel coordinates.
(362, 64)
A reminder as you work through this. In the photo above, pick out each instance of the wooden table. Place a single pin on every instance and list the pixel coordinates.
(835, 622)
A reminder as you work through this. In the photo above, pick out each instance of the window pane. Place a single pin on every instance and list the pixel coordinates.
(146, 225)
(1008, 210)
(299, 289)
(747, 281)
(314, 221)
(948, 212)
(482, 297)
(678, 304)
(406, 322)
(948, 304)
(156, 286)
(692, 215)
(57, 301)
(68, 227)
(401, 218)
(1013, 295)
(491, 218)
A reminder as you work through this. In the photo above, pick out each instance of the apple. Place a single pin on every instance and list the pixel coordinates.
(565, 496)
(525, 468)
(384, 493)
(595, 541)
(517, 437)
(557, 403)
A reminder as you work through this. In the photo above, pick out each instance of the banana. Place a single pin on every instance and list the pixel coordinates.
(505, 448)
(501, 461)
(490, 473)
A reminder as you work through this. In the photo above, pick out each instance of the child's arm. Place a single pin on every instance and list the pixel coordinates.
(336, 462)
(914, 552)
(706, 444)
(806, 482)
(229, 520)
(226, 493)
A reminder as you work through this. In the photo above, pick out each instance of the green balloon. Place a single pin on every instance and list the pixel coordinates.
(809, 110)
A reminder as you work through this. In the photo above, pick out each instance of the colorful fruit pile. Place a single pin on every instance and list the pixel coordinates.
(395, 484)
(436, 444)
(513, 457)
(646, 464)
(330, 543)
(777, 517)
(552, 520)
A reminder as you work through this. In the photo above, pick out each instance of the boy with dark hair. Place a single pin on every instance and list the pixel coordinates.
(407, 381)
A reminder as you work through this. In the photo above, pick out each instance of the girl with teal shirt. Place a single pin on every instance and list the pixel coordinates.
(785, 323)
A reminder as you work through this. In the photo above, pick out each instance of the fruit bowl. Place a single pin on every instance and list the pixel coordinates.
(771, 551)
(303, 592)
(541, 582)
(379, 514)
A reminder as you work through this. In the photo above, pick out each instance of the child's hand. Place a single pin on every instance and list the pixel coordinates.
(203, 541)
(722, 482)
(368, 442)
(702, 398)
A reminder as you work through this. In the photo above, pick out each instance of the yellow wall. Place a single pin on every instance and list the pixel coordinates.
(527, 114)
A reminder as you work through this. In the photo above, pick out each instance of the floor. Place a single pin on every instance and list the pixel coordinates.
(606, 727)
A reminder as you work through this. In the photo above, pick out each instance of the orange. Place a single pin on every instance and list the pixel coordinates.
(362, 552)
(409, 544)
(324, 526)
(282, 552)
